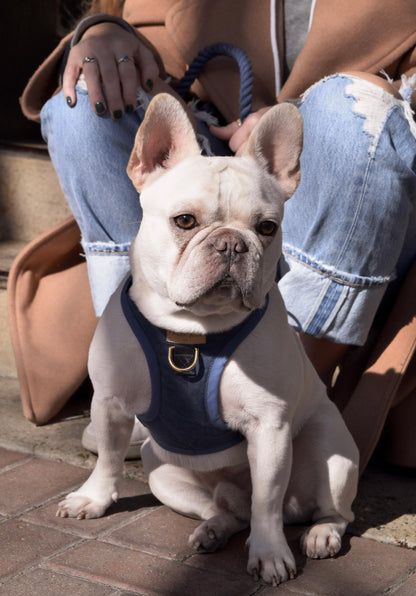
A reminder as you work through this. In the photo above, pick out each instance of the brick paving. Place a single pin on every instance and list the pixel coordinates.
(140, 547)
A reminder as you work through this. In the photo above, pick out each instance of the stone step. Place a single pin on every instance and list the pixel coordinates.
(31, 201)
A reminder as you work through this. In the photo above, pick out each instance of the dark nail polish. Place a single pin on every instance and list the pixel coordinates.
(99, 107)
(149, 84)
(129, 109)
(69, 102)
(117, 114)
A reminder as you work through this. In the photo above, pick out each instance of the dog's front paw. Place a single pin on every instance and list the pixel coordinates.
(81, 507)
(272, 563)
(321, 541)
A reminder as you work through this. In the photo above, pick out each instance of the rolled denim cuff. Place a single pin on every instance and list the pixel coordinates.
(329, 306)
(95, 19)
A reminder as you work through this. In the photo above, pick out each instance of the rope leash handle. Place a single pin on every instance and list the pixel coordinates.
(244, 64)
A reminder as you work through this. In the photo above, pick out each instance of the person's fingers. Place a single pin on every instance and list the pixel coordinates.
(147, 66)
(225, 132)
(110, 81)
(236, 133)
(128, 79)
(69, 79)
(88, 59)
(92, 74)
(239, 138)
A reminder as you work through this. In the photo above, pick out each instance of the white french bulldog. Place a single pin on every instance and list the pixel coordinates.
(203, 269)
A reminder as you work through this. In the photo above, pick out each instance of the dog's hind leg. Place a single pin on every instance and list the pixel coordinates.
(113, 430)
(224, 506)
(177, 487)
(233, 515)
(324, 482)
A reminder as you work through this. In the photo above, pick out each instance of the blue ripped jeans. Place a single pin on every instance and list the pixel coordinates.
(348, 231)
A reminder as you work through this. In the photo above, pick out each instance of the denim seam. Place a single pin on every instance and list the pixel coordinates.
(320, 269)
(371, 160)
(317, 305)
(358, 210)
(326, 309)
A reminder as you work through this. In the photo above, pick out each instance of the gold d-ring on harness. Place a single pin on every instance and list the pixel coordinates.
(186, 368)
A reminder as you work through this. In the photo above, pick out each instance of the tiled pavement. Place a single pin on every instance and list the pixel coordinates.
(140, 547)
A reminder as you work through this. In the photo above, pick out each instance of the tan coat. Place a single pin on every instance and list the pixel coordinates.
(366, 35)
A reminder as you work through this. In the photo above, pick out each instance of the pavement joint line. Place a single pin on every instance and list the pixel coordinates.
(50, 526)
(31, 508)
(151, 553)
(37, 563)
(108, 531)
(16, 464)
(395, 586)
(80, 575)
(60, 551)
(88, 580)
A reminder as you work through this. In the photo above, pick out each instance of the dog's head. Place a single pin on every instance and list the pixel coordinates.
(210, 237)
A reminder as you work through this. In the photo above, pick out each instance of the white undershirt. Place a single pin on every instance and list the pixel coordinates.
(298, 19)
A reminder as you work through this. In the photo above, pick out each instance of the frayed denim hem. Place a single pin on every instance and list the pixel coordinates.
(323, 306)
(108, 263)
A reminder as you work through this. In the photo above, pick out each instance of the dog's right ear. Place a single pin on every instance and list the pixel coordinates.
(165, 137)
(276, 144)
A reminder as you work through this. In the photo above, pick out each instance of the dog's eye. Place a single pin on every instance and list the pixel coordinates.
(266, 228)
(185, 221)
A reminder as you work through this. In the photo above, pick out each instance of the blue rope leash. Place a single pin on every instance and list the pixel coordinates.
(244, 64)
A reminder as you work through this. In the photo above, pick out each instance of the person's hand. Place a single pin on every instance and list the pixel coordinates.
(110, 57)
(237, 133)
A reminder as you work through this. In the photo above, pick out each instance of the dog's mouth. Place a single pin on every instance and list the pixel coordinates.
(226, 288)
(224, 292)
(226, 283)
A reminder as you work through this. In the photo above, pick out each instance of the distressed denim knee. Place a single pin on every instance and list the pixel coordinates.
(350, 228)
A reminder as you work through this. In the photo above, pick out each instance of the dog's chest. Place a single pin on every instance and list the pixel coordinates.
(183, 416)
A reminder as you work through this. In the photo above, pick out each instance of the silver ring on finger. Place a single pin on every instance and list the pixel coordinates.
(89, 59)
(125, 59)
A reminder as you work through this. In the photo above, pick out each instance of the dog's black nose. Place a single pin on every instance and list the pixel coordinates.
(230, 241)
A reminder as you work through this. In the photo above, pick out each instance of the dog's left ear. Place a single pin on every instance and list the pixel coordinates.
(276, 144)
(165, 137)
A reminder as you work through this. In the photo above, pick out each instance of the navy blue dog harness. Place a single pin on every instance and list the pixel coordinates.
(183, 415)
